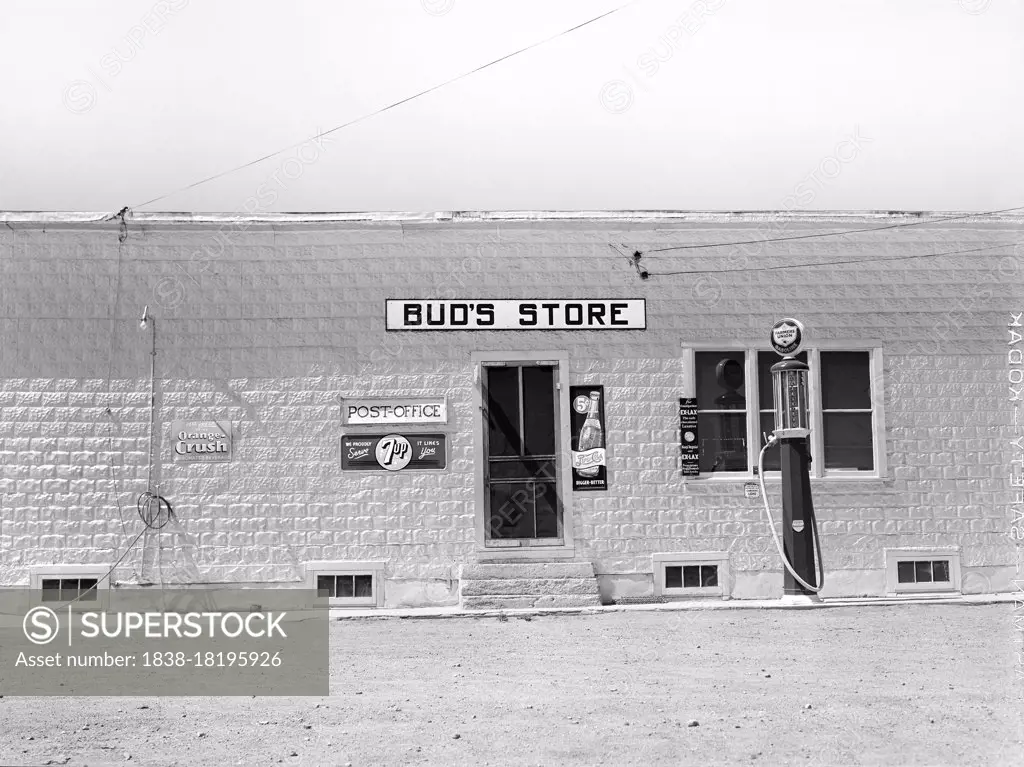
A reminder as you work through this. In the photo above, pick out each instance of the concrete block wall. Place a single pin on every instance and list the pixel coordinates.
(266, 323)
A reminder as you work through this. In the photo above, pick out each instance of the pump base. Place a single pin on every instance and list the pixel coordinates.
(800, 600)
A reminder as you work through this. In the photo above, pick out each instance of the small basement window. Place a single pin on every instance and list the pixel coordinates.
(689, 574)
(69, 589)
(80, 585)
(922, 570)
(347, 584)
(344, 586)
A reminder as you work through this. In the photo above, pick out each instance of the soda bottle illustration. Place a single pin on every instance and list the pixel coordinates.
(591, 434)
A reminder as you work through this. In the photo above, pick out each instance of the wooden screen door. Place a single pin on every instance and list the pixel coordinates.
(521, 455)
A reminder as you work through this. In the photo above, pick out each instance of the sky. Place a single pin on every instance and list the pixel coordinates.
(663, 104)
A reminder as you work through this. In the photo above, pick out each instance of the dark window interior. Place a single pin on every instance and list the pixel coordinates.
(691, 576)
(344, 586)
(721, 411)
(923, 571)
(67, 589)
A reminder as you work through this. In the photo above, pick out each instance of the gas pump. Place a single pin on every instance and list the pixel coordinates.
(792, 428)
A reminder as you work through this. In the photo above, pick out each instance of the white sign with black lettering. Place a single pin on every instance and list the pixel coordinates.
(515, 314)
(394, 410)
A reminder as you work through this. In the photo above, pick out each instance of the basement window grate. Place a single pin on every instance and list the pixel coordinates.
(641, 601)
(340, 583)
(923, 571)
(920, 570)
(691, 576)
(346, 586)
(68, 589)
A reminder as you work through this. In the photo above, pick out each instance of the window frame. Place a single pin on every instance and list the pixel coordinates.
(719, 559)
(374, 569)
(817, 440)
(917, 554)
(40, 573)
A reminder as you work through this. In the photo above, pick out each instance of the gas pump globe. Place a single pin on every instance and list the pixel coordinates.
(789, 385)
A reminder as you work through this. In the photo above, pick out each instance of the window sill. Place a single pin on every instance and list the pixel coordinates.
(774, 477)
(525, 552)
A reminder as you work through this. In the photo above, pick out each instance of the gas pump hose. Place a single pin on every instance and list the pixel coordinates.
(775, 535)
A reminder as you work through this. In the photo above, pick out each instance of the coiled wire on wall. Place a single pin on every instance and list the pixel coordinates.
(155, 511)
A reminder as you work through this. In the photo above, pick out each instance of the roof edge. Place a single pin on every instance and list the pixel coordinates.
(30, 218)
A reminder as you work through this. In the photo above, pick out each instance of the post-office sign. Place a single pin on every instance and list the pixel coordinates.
(201, 440)
(394, 410)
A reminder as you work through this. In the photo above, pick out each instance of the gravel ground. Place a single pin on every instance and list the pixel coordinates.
(913, 684)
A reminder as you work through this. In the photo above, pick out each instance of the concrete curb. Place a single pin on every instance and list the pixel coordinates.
(424, 613)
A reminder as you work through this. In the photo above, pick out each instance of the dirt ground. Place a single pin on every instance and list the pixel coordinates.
(906, 685)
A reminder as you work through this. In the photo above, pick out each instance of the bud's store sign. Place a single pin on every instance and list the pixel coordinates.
(201, 440)
(500, 314)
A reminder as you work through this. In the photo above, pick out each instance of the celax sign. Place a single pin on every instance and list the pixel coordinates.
(514, 314)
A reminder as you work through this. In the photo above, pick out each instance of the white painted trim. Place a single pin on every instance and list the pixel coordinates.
(689, 372)
(917, 554)
(662, 560)
(817, 436)
(753, 401)
(374, 568)
(38, 572)
(878, 412)
(560, 359)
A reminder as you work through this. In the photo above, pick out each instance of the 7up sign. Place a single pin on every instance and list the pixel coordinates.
(393, 452)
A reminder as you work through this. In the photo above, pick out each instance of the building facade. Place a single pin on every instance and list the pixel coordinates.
(377, 405)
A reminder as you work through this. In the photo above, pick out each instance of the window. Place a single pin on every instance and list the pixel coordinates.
(846, 419)
(846, 410)
(344, 586)
(75, 585)
(347, 584)
(922, 570)
(69, 589)
(721, 411)
(689, 574)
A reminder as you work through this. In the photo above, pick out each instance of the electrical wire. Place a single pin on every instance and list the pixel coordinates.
(836, 234)
(386, 108)
(107, 574)
(829, 263)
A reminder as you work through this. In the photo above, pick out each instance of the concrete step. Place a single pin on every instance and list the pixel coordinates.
(527, 570)
(525, 584)
(529, 586)
(512, 602)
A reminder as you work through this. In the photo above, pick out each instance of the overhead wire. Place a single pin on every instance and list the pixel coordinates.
(828, 263)
(389, 107)
(862, 230)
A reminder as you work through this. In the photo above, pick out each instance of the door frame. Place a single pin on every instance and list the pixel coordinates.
(560, 360)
